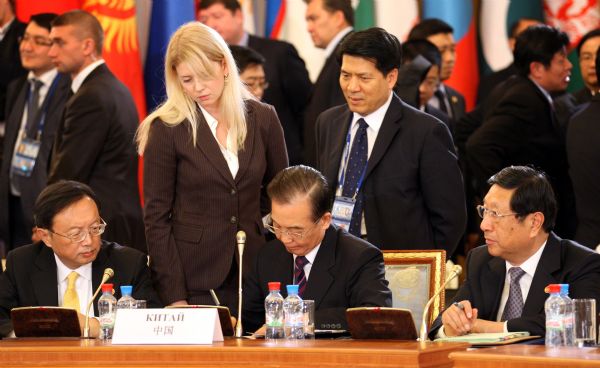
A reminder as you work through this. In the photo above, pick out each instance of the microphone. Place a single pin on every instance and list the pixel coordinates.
(456, 270)
(108, 273)
(240, 239)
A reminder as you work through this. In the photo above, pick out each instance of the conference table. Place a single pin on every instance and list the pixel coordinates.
(230, 353)
(526, 356)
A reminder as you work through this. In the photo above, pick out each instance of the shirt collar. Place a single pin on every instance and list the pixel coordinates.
(375, 119)
(531, 263)
(62, 271)
(47, 78)
(334, 42)
(544, 92)
(212, 122)
(78, 80)
(244, 40)
(6, 27)
(310, 256)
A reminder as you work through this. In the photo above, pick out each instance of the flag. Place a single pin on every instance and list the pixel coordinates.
(576, 18)
(459, 15)
(364, 15)
(496, 18)
(121, 44)
(167, 16)
(26, 8)
(397, 17)
(274, 18)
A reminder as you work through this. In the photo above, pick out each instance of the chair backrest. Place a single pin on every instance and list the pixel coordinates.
(414, 276)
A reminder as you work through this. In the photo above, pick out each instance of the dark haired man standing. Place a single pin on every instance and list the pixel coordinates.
(504, 289)
(334, 268)
(392, 168)
(94, 142)
(289, 85)
(37, 103)
(520, 127)
(66, 266)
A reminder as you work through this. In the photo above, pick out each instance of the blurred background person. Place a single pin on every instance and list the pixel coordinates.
(583, 153)
(289, 85)
(209, 151)
(37, 102)
(93, 143)
(586, 49)
(251, 67)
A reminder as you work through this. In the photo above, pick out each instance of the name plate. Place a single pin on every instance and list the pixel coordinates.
(167, 327)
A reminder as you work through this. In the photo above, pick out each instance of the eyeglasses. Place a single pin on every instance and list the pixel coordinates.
(256, 84)
(297, 235)
(482, 212)
(78, 236)
(37, 40)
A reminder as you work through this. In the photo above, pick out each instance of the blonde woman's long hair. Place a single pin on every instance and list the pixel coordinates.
(199, 46)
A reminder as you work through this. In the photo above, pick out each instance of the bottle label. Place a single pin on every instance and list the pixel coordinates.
(554, 324)
(107, 320)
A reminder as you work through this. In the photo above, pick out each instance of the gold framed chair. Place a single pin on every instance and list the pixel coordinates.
(414, 276)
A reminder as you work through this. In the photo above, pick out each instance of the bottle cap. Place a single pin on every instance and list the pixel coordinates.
(126, 289)
(107, 288)
(274, 286)
(292, 289)
(564, 289)
(552, 288)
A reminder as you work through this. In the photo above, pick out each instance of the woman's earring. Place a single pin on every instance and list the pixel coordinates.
(226, 76)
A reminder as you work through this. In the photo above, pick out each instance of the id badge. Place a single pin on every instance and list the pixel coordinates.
(342, 211)
(24, 160)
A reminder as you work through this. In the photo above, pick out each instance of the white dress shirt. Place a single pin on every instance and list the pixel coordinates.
(310, 256)
(78, 80)
(335, 40)
(229, 152)
(83, 284)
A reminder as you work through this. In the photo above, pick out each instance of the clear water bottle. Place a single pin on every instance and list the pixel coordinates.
(568, 316)
(126, 301)
(293, 314)
(554, 308)
(274, 312)
(107, 307)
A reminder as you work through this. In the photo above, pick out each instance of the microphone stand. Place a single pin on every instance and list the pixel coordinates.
(240, 238)
(108, 273)
(456, 270)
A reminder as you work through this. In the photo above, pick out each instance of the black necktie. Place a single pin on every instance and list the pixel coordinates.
(514, 303)
(357, 163)
(33, 108)
(299, 275)
(441, 96)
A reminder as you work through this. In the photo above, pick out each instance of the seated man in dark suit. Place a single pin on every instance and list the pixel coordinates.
(334, 268)
(66, 267)
(504, 289)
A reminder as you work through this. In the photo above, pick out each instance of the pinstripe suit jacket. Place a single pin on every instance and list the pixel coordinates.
(194, 207)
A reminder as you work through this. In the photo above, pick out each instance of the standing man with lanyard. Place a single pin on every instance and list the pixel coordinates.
(394, 167)
(37, 102)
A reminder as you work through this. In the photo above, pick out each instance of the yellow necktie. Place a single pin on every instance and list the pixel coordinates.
(71, 299)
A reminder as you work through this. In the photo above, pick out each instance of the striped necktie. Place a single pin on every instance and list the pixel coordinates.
(299, 275)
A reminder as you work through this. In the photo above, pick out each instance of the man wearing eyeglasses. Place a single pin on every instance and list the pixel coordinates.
(330, 266)
(66, 266)
(504, 289)
(36, 105)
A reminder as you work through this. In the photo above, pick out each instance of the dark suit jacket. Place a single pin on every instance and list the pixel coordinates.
(347, 272)
(490, 81)
(583, 151)
(326, 93)
(562, 262)
(522, 129)
(10, 62)
(30, 278)
(94, 145)
(289, 89)
(33, 185)
(194, 207)
(582, 96)
(413, 193)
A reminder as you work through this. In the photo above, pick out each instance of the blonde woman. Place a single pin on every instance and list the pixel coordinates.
(209, 151)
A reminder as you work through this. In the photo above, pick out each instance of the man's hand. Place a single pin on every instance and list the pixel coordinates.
(459, 318)
(94, 325)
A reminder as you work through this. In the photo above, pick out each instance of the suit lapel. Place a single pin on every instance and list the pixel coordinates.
(387, 132)
(207, 143)
(493, 281)
(320, 278)
(338, 130)
(245, 154)
(550, 261)
(44, 278)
